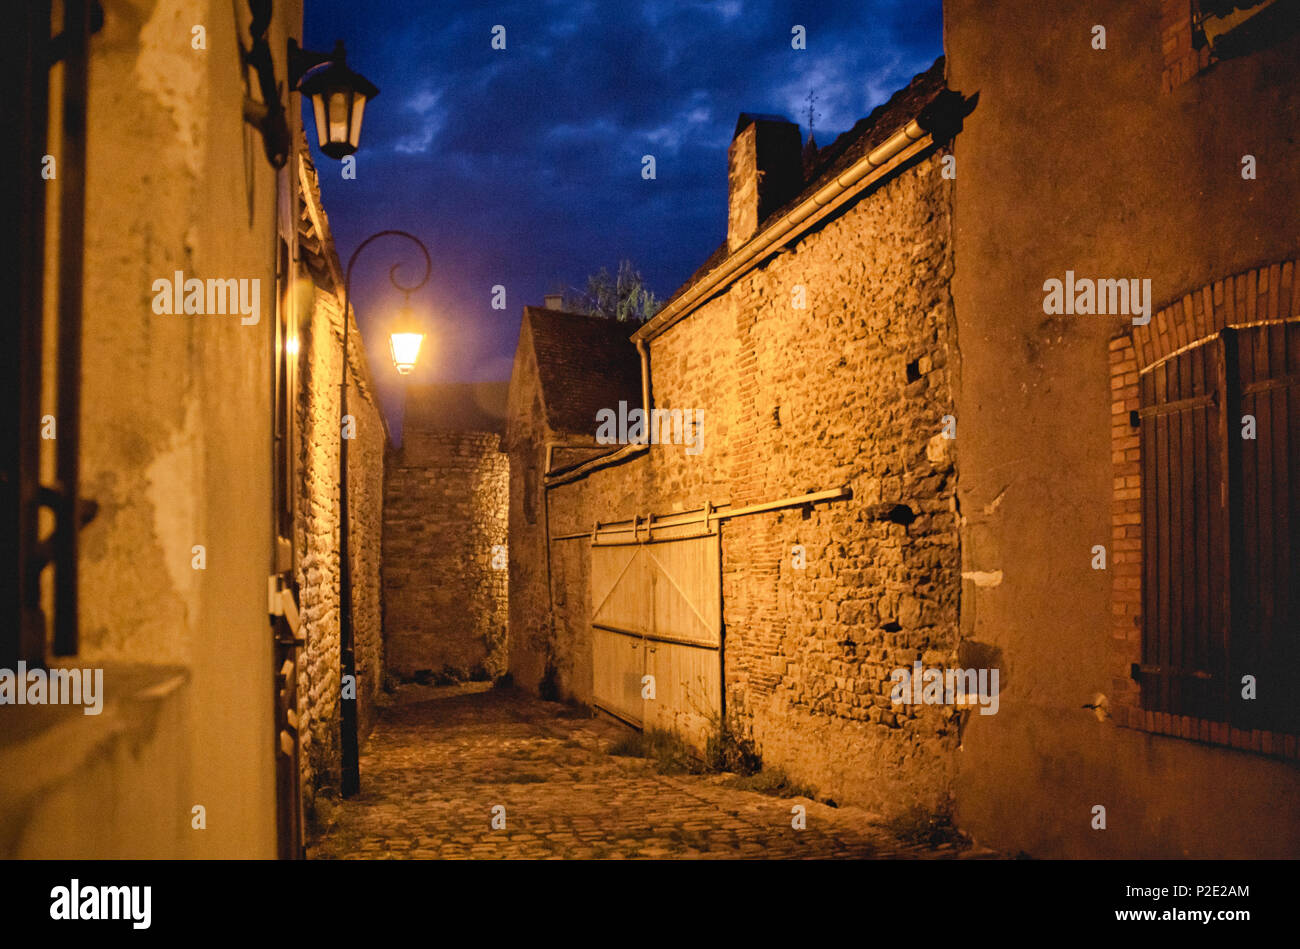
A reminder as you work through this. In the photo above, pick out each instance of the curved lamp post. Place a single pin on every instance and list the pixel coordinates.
(347, 651)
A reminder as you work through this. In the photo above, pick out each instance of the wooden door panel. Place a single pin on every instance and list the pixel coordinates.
(657, 610)
(617, 664)
(688, 695)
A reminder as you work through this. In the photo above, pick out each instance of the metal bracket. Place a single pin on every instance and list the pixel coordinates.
(301, 61)
(54, 499)
(59, 43)
(280, 601)
(268, 115)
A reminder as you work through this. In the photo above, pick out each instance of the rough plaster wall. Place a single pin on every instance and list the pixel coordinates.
(1033, 402)
(530, 641)
(808, 656)
(528, 606)
(445, 603)
(319, 682)
(175, 411)
(101, 787)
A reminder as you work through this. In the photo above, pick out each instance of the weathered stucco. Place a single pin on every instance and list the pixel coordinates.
(177, 452)
(175, 425)
(1076, 159)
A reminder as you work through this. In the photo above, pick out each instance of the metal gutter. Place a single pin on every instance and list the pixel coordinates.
(601, 461)
(869, 169)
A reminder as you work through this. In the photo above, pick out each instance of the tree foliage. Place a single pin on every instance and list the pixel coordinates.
(622, 296)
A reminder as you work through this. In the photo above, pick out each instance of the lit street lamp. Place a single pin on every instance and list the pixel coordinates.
(404, 340)
(399, 341)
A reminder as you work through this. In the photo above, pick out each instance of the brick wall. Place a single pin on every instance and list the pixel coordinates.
(319, 682)
(1257, 295)
(444, 596)
(849, 391)
(1182, 59)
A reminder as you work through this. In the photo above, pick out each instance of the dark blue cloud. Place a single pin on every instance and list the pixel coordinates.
(522, 167)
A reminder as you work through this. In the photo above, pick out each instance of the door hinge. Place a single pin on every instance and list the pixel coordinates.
(280, 601)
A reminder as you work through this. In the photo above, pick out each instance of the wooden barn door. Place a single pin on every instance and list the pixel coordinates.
(657, 611)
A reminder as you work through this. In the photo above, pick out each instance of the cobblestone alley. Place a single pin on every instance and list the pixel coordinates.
(440, 760)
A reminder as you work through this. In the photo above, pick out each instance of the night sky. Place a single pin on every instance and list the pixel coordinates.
(522, 167)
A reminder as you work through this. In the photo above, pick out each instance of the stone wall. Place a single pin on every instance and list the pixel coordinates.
(849, 391)
(445, 607)
(319, 677)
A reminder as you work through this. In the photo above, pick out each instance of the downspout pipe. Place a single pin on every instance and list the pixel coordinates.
(618, 454)
(644, 351)
(546, 522)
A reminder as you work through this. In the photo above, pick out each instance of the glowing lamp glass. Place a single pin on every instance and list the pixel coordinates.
(338, 99)
(405, 348)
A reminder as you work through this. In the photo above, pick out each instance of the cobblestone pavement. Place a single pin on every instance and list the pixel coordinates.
(439, 760)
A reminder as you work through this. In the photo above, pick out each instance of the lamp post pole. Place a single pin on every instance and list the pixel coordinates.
(347, 648)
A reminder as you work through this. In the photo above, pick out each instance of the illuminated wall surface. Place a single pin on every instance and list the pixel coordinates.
(1002, 381)
(177, 452)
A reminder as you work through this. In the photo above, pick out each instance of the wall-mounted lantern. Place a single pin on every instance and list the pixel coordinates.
(338, 95)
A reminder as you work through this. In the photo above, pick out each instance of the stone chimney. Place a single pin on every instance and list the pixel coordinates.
(764, 170)
(553, 301)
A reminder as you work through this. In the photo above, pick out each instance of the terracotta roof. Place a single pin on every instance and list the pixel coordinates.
(456, 407)
(831, 161)
(584, 364)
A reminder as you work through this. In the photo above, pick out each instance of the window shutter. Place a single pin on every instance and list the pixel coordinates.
(1266, 569)
(1221, 529)
(1184, 535)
